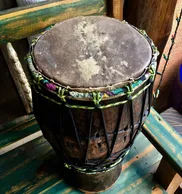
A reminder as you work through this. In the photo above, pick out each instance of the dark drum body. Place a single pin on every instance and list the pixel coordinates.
(92, 111)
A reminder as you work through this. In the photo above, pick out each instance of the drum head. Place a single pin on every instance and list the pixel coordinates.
(92, 51)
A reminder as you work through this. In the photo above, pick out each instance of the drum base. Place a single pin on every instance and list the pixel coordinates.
(92, 182)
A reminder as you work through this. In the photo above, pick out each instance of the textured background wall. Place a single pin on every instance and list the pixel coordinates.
(6, 4)
(173, 65)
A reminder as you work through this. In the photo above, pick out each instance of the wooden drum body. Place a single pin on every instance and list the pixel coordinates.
(92, 90)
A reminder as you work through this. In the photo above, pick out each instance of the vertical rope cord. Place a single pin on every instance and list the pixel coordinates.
(89, 134)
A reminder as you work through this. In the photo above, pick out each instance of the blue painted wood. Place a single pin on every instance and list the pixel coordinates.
(34, 168)
(174, 118)
(165, 139)
(17, 129)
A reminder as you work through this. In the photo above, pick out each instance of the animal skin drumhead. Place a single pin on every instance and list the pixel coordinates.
(92, 51)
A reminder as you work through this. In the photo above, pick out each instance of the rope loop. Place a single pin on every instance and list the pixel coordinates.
(39, 78)
(152, 74)
(61, 95)
(97, 98)
(129, 88)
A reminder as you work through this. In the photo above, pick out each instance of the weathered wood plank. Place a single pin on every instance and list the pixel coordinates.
(34, 168)
(19, 132)
(165, 139)
(17, 122)
(29, 20)
(170, 180)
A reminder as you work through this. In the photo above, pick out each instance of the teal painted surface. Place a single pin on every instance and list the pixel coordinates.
(16, 122)
(34, 168)
(165, 139)
(23, 22)
(17, 130)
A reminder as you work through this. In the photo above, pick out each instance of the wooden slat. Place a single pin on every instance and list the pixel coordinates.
(16, 122)
(165, 139)
(22, 128)
(26, 21)
(170, 180)
(33, 168)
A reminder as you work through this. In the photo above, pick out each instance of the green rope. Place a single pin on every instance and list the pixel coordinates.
(92, 171)
(152, 72)
(129, 87)
(80, 107)
(61, 95)
(113, 104)
(39, 78)
(137, 94)
(96, 98)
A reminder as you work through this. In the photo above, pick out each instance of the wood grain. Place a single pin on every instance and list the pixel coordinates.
(155, 17)
(118, 9)
(115, 8)
(167, 177)
(29, 20)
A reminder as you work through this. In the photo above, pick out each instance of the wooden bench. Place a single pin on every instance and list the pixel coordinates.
(169, 143)
(27, 162)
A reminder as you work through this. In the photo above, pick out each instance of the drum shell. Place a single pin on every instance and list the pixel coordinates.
(91, 123)
(58, 128)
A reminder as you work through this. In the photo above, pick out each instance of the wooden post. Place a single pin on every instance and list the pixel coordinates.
(115, 9)
(118, 9)
(18, 75)
(153, 16)
(167, 177)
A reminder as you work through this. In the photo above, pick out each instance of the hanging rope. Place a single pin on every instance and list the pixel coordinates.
(166, 57)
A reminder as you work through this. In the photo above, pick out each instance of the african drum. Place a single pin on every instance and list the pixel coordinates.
(92, 81)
